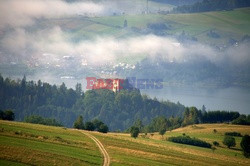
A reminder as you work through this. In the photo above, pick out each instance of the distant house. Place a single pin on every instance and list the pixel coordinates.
(117, 85)
(114, 84)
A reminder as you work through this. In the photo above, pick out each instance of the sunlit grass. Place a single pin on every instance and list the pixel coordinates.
(43, 145)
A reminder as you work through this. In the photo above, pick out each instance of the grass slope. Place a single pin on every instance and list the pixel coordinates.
(152, 149)
(42, 145)
(22, 143)
(228, 24)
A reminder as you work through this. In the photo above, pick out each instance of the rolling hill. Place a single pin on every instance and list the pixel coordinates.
(23, 143)
(228, 24)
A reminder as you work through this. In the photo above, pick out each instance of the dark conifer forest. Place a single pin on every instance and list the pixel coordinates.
(117, 110)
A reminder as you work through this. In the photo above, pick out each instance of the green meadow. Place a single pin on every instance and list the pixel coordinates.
(42, 145)
(23, 143)
(153, 149)
(228, 24)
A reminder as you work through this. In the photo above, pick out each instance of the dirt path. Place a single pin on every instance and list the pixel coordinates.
(106, 161)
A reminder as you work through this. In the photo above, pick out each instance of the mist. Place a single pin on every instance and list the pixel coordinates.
(23, 41)
(47, 46)
(21, 45)
(21, 13)
(31, 36)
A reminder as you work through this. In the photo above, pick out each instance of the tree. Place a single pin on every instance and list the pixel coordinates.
(79, 89)
(134, 131)
(89, 126)
(229, 141)
(215, 143)
(78, 124)
(103, 128)
(162, 131)
(125, 24)
(7, 115)
(245, 145)
(23, 83)
(191, 116)
(64, 105)
(138, 123)
(40, 120)
(97, 123)
(1, 115)
(203, 109)
(242, 120)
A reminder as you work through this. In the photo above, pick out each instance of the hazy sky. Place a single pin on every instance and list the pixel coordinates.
(17, 43)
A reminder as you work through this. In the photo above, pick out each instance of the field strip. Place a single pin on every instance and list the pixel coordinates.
(101, 147)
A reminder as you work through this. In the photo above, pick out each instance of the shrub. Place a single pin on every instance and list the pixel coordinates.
(40, 120)
(190, 141)
(7, 115)
(18, 132)
(245, 145)
(103, 128)
(229, 141)
(215, 143)
(215, 131)
(134, 131)
(89, 126)
(78, 124)
(162, 131)
(236, 134)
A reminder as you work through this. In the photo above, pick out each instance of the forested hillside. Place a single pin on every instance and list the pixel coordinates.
(177, 2)
(212, 5)
(117, 110)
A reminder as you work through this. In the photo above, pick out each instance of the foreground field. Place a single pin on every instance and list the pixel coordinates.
(152, 149)
(41, 145)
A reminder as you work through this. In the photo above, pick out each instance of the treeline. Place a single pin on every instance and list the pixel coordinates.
(40, 120)
(212, 5)
(177, 2)
(94, 125)
(7, 115)
(192, 116)
(242, 120)
(117, 110)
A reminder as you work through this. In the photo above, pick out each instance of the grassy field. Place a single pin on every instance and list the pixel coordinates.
(153, 149)
(41, 145)
(229, 24)
(23, 143)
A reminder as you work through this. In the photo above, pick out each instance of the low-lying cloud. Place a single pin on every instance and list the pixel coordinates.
(48, 46)
(21, 13)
